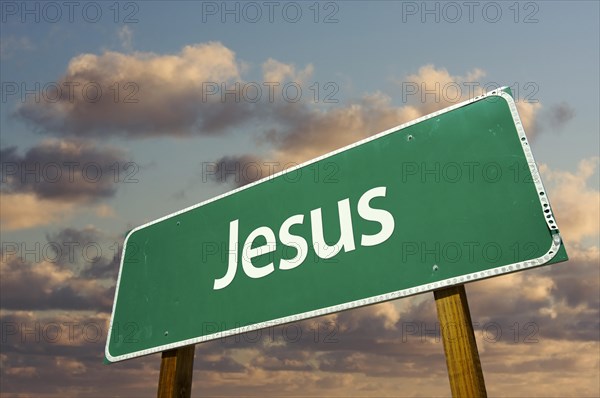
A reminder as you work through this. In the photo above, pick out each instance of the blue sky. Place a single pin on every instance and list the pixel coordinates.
(366, 55)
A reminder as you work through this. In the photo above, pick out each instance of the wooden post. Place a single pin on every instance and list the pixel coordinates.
(460, 347)
(176, 369)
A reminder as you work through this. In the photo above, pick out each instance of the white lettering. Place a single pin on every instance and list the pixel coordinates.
(321, 248)
(248, 253)
(298, 242)
(346, 241)
(381, 216)
(233, 255)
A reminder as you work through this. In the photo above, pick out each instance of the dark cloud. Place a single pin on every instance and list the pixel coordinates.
(569, 309)
(44, 286)
(552, 118)
(370, 355)
(45, 354)
(340, 362)
(282, 357)
(93, 254)
(218, 117)
(577, 291)
(73, 270)
(238, 170)
(182, 114)
(63, 170)
(103, 268)
(559, 115)
(222, 364)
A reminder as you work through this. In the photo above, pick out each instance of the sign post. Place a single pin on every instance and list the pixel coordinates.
(460, 347)
(176, 370)
(450, 198)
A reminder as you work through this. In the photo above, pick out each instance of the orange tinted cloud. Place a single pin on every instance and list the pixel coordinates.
(576, 203)
(25, 210)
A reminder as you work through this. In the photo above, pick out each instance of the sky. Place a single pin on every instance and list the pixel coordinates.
(117, 113)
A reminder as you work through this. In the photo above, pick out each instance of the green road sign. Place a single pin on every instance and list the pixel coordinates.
(450, 198)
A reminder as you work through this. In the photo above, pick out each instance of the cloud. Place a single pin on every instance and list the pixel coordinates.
(218, 363)
(359, 352)
(574, 200)
(65, 170)
(73, 269)
(372, 350)
(70, 365)
(126, 37)
(552, 302)
(105, 211)
(273, 363)
(370, 355)
(538, 119)
(435, 88)
(22, 371)
(301, 131)
(142, 94)
(57, 179)
(432, 89)
(240, 170)
(381, 317)
(25, 210)
(94, 254)
(59, 353)
(308, 132)
(11, 45)
(201, 91)
(198, 91)
(276, 72)
(559, 115)
(528, 112)
(544, 369)
(49, 287)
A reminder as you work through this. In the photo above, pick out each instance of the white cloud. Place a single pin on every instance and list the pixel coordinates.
(436, 88)
(142, 94)
(275, 71)
(575, 202)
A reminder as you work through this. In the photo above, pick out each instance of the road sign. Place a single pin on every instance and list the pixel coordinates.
(449, 198)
